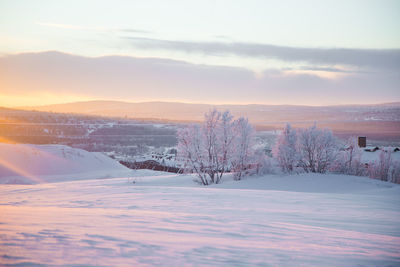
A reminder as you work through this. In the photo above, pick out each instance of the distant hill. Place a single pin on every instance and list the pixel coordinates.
(376, 122)
(259, 114)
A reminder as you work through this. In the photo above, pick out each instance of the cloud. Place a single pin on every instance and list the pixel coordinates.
(144, 79)
(376, 59)
(326, 69)
(133, 31)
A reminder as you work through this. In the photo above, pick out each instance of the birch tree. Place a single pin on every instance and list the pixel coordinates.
(285, 149)
(216, 146)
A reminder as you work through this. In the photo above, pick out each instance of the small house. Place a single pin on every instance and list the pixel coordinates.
(362, 141)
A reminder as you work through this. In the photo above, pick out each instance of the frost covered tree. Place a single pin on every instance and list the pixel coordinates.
(191, 151)
(263, 163)
(348, 160)
(381, 169)
(218, 145)
(316, 149)
(226, 138)
(385, 168)
(210, 131)
(285, 149)
(395, 172)
(243, 156)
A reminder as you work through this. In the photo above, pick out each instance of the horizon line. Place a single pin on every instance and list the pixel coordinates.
(202, 103)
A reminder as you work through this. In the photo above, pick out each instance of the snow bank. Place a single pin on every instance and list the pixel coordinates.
(30, 164)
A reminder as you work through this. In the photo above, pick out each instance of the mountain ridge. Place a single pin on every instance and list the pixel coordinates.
(207, 104)
(257, 113)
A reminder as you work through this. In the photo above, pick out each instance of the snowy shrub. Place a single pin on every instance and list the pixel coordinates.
(385, 168)
(243, 159)
(395, 172)
(263, 163)
(316, 149)
(381, 168)
(285, 149)
(348, 161)
(216, 146)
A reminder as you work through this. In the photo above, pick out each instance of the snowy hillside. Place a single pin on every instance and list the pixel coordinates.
(297, 220)
(29, 164)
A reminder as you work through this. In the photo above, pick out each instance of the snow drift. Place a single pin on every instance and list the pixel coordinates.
(295, 220)
(30, 164)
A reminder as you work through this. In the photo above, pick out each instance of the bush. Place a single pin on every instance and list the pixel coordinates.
(348, 161)
(381, 169)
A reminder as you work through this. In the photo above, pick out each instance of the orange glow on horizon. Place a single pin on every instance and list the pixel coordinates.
(39, 99)
(44, 99)
(15, 101)
(6, 140)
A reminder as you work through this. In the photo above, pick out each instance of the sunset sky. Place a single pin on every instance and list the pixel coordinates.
(265, 52)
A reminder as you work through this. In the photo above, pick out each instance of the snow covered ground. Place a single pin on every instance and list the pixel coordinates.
(31, 164)
(167, 220)
(368, 157)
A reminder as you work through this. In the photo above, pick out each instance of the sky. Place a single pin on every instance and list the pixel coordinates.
(239, 52)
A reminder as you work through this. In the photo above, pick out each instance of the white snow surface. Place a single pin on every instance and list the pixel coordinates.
(374, 156)
(168, 220)
(30, 164)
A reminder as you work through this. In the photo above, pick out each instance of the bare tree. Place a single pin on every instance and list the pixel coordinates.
(227, 135)
(348, 160)
(381, 168)
(395, 172)
(210, 132)
(317, 149)
(244, 154)
(216, 146)
(285, 149)
(191, 151)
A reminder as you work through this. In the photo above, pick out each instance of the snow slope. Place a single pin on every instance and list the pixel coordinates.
(298, 220)
(29, 164)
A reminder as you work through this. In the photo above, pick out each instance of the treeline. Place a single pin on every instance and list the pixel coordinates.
(316, 150)
(221, 144)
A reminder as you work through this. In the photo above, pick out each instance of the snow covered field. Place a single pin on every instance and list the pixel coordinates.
(167, 220)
